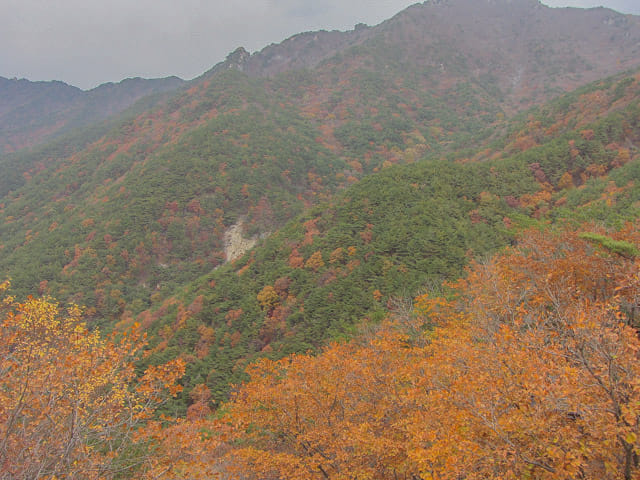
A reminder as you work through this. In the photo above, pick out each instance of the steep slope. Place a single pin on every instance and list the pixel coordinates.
(148, 204)
(520, 371)
(373, 247)
(121, 225)
(524, 49)
(168, 183)
(33, 112)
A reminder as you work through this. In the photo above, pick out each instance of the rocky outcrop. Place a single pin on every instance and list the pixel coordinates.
(235, 245)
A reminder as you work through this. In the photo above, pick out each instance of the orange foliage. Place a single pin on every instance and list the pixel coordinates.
(336, 256)
(524, 143)
(587, 134)
(321, 417)
(233, 315)
(185, 448)
(315, 262)
(311, 230)
(295, 259)
(196, 306)
(531, 371)
(207, 337)
(367, 235)
(70, 400)
(268, 298)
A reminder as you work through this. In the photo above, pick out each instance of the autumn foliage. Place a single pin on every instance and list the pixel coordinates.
(529, 369)
(538, 374)
(71, 402)
(331, 416)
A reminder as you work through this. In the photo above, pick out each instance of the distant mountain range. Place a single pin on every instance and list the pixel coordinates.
(363, 165)
(34, 112)
(523, 47)
(526, 50)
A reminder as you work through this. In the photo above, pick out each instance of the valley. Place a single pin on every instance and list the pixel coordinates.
(334, 257)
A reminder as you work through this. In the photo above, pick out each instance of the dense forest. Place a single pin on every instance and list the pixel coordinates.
(526, 367)
(385, 262)
(390, 236)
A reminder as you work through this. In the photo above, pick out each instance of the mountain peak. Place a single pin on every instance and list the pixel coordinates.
(237, 59)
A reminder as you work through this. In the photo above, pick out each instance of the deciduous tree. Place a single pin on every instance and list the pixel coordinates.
(71, 402)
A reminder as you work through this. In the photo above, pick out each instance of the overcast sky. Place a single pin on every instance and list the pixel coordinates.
(89, 42)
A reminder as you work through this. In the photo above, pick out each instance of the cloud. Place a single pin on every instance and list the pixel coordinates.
(88, 42)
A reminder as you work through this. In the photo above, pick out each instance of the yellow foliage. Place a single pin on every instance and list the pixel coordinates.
(315, 262)
(268, 297)
(67, 406)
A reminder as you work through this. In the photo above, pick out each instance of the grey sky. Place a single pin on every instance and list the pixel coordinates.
(88, 42)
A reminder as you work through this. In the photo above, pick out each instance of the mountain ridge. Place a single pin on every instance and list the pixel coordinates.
(524, 62)
(436, 245)
(399, 94)
(143, 209)
(595, 25)
(32, 113)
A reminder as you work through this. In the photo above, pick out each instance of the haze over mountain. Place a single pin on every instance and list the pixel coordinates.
(156, 39)
(34, 112)
(523, 48)
(302, 194)
(321, 109)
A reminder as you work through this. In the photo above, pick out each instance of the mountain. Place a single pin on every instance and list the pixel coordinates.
(372, 248)
(35, 112)
(362, 164)
(523, 48)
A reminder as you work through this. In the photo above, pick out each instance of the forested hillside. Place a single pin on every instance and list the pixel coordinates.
(527, 367)
(373, 247)
(397, 252)
(33, 113)
(117, 221)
